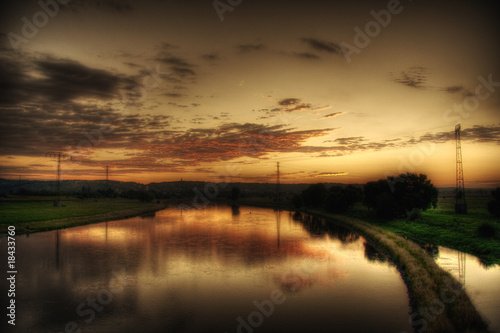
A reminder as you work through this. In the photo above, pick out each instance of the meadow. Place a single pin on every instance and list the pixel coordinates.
(30, 214)
(442, 226)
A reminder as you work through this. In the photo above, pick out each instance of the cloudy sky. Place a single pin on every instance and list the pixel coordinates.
(222, 90)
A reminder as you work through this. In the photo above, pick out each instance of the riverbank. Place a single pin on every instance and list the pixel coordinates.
(440, 226)
(41, 215)
(438, 301)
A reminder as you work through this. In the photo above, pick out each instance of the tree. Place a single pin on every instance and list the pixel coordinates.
(296, 201)
(494, 205)
(314, 195)
(235, 193)
(339, 199)
(395, 197)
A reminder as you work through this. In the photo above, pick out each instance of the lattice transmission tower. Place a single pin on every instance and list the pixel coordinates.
(58, 155)
(460, 204)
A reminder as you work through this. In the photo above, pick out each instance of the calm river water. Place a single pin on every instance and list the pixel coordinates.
(481, 282)
(220, 269)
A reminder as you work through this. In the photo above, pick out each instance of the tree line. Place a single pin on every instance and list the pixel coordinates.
(389, 198)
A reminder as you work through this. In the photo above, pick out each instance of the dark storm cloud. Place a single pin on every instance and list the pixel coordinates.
(56, 80)
(33, 130)
(12, 82)
(414, 77)
(67, 80)
(322, 46)
(251, 47)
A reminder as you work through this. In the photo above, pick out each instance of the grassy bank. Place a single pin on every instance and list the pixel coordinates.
(40, 215)
(438, 301)
(442, 226)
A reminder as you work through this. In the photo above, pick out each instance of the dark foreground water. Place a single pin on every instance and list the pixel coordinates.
(213, 270)
(481, 281)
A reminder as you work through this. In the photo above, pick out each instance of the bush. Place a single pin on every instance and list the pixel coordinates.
(486, 230)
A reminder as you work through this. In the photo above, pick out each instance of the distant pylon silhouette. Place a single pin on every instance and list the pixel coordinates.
(58, 155)
(460, 205)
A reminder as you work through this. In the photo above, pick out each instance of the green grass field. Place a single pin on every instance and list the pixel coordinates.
(442, 226)
(37, 215)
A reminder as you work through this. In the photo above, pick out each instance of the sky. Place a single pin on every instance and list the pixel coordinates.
(345, 92)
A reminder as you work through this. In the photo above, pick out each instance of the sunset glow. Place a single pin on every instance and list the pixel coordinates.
(160, 91)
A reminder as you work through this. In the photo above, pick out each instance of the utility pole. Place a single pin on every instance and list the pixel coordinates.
(107, 168)
(58, 155)
(460, 204)
(278, 198)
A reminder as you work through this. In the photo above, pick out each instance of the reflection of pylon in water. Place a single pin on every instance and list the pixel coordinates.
(278, 193)
(461, 267)
(278, 225)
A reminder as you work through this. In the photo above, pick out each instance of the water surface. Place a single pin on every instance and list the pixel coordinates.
(219, 269)
(481, 281)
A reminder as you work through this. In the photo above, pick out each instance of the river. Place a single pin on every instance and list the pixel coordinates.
(218, 269)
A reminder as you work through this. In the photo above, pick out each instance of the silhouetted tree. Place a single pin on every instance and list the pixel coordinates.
(235, 193)
(296, 201)
(395, 197)
(339, 199)
(494, 205)
(314, 195)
